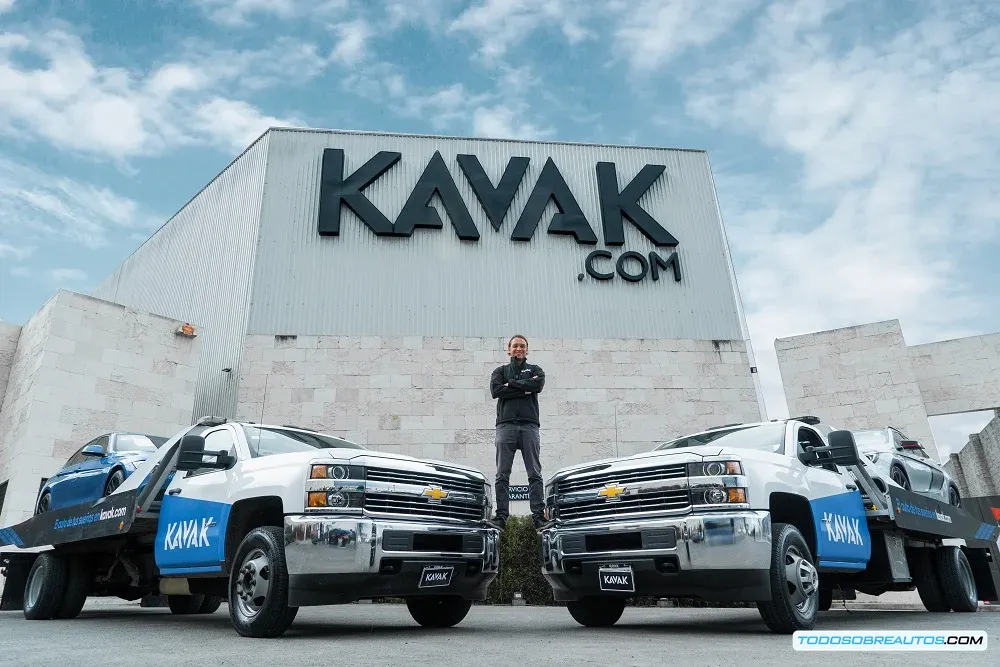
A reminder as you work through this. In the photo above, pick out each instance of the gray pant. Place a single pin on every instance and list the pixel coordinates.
(510, 438)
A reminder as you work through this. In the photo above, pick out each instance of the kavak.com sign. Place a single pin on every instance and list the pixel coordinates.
(336, 190)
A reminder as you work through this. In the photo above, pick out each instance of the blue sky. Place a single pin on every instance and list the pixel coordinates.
(854, 143)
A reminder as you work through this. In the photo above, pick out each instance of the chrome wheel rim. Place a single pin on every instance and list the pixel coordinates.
(253, 583)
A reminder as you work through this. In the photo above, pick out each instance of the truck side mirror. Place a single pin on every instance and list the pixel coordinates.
(191, 454)
(843, 449)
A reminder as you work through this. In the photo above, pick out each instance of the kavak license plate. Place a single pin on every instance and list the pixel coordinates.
(435, 576)
(617, 578)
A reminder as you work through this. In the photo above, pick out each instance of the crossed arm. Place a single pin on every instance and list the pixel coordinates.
(514, 388)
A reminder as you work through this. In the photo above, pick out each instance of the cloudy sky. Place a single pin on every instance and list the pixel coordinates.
(855, 144)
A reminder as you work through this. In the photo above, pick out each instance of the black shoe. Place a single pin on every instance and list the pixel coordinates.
(500, 521)
(537, 521)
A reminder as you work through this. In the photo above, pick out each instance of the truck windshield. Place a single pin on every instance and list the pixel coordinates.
(267, 441)
(873, 439)
(764, 437)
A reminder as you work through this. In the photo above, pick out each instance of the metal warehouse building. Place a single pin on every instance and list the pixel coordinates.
(366, 284)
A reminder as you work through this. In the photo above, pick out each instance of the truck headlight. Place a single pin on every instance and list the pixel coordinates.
(335, 487)
(714, 468)
(719, 496)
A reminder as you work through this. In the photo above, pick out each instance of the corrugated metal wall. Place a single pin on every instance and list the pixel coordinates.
(435, 284)
(197, 268)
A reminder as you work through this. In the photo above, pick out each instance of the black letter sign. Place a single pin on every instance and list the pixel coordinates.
(334, 189)
(570, 218)
(495, 201)
(616, 206)
(417, 212)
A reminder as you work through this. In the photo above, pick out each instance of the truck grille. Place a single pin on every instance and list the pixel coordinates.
(600, 508)
(411, 504)
(446, 482)
(659, 473)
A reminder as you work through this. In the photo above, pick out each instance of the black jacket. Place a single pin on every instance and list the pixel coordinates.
(517, 403)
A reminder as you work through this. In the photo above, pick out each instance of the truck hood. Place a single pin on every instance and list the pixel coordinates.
(667, 456)
(363, 457)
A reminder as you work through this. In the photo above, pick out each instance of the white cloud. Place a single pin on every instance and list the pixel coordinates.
(43, 208)
(897, 144)
(6, 5)
(233, 124)
(650, 33)
(118, 113)
(354, 36)
(67, 276)
(9, 251)
(502, 24)
(502, 122)
(238, 12)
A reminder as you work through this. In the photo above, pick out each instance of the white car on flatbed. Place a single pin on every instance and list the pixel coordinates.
(771, 512)
(271, 518)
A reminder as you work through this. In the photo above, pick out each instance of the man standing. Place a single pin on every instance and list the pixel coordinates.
(516, 386)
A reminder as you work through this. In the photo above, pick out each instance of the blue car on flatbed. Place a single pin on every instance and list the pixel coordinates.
(96, 469)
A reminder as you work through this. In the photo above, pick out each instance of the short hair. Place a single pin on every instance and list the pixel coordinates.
(517, 336)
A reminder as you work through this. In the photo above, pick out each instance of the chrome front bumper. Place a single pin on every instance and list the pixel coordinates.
(722, 555)
(334, 545)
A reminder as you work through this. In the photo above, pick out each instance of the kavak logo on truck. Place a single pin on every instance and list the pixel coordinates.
(337, 189)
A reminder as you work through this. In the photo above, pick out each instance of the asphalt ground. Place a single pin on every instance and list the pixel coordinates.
(110, 634)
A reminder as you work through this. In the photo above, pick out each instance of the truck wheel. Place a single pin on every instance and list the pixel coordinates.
(958, 584)
(794, 583)
(925, 577)
(77, 589)
(258, 585)
(211, 604)
(596, 612)
(182, 605)
(43, 592)
(438, 612)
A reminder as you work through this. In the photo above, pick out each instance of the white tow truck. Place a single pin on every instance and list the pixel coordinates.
(781, 513)
(270, 518)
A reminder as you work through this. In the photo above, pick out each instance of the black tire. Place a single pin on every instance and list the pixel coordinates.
(43, 503)
(114, 481)
(899, 476)
(958, 583)
(78, 580)
(954, 496)
(794, 600)
(438, 612)
(43, 591)
(211, 604)
(182, 605)
(596, 612)
(925, 577)
(260, 562)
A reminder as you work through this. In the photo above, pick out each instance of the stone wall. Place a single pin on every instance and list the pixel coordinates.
(429, 397)
(857, 377)
(84, 367)
(960, 375)
(976, 467)
(9, 334)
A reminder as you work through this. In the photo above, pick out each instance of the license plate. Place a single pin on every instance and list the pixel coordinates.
(434, 576)
(617, 578)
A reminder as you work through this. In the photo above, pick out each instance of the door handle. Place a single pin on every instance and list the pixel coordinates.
(174, 491)
(852, 487)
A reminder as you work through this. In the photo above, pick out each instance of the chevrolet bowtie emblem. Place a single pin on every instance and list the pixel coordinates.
(435, 493)
(611, 492)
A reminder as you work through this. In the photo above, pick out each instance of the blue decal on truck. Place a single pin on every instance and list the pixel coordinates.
(9, 537)
(842, 538)
(191, 534)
